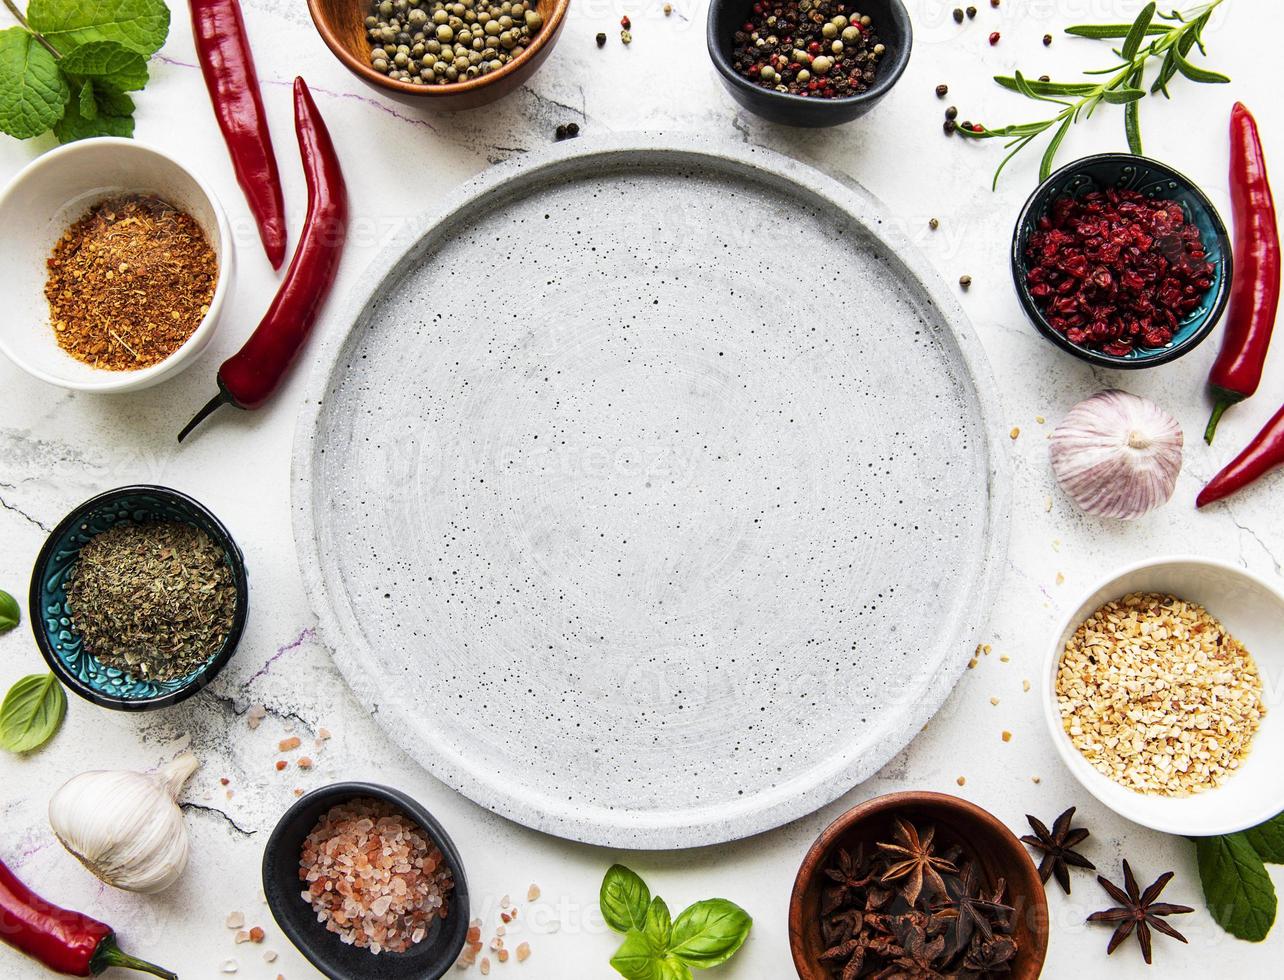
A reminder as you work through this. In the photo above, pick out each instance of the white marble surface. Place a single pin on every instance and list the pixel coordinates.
(57, 448)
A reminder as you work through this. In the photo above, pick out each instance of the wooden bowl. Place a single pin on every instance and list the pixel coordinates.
(995, 849)
(342, 27)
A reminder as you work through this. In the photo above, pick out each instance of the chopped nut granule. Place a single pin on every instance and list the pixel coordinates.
(532, 893)
(305, 762)
(994, 700)
(1157, 695)
(485, 965)
(523, 952)
(1007, 736)
(1025, 686)
(293, 742)
(373, 876)
(962, 781)
(1015, 433)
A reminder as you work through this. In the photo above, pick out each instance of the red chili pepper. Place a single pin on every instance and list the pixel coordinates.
(1255, 287)
(228, 66)
(248, 378)
(65, 941)
(1261, 456)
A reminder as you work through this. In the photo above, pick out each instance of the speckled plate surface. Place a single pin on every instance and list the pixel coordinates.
(654, 496)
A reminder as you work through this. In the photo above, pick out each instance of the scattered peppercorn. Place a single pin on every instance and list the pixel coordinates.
(1047, 40)
(934, 223)
(572, 130)
(971, 12)
(625, 22)
(942, 91)
(560, 133)
(994, 3)
(1045, 78)
(966, 283)
(668, 9)
(958, 15)
(601, 39)
(951, 113)
(949, 126)
(807, 47)
(626, 37)
(994, 38)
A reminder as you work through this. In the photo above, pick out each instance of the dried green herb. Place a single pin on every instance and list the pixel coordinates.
(8, 611)
(32, 711)
(1124, 83)
(156, 599)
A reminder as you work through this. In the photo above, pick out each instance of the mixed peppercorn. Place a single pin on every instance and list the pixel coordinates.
(816, 48)
(1115, 270)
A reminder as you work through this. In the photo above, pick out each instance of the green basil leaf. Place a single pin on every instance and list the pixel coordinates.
(624, 899)
(32, 89)
(9, 615)
(659, 924)
(1237, 889)
(140, 25)
(637, 958)
(672, 968)
(1267, 840)
(111, 63)
(709, 933)
(32, 711)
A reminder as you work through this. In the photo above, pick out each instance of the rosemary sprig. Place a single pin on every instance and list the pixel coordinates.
(1124, 85)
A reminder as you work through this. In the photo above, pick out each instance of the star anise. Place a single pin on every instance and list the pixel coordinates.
(992, 955)
(1138, 910)
(1058, 847)
(916, 863)
(919, 953)
(968, 910)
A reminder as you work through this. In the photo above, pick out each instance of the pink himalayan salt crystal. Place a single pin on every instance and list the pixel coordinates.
(373, 876)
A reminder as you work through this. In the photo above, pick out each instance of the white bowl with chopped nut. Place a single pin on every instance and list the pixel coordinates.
(1162, 694)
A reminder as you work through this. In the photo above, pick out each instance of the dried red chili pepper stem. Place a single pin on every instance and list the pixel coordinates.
(249, 377)
(64, 941)
(1255, 287)
(1259, 457)
(223, 50)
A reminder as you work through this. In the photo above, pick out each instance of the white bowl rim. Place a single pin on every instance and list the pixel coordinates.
(1087, 776)
(115, 381)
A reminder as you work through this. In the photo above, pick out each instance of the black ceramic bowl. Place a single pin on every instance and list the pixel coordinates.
(892, 24)
(47, 601)
(1154, 179)
(426, 960)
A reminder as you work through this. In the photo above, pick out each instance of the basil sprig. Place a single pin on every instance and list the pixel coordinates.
(8, 611)
(1237, 887)
(659, 947)
(32, 711)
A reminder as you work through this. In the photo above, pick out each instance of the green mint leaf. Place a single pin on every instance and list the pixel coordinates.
(709, 933)
(140, 25)
(32, 711)
(672, 968)
(110, 63)
(86, 105)
(637, 958)
(9, 614)
(1237, 888)
(114, 116)
(658, 924)
(624, 899)
(32, 90)
(1267, 840)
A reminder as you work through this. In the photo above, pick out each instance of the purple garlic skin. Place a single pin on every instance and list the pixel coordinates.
(1117, 455)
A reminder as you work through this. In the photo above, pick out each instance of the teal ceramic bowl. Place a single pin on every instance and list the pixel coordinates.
(47, 601)
(1154, 179)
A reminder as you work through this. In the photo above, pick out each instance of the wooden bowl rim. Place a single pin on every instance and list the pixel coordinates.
(809, 868)
(331, 38)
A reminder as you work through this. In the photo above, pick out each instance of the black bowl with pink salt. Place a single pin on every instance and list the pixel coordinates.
(366, 883)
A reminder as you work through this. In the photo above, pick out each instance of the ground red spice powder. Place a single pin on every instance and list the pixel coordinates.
(129, 283)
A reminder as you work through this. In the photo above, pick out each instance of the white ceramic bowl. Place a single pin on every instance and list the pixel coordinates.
(1252, 610)
(52, 192)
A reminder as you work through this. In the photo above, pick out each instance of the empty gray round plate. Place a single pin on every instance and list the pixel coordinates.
(654, 497)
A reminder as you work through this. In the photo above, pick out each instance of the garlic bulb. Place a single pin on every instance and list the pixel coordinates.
(125, 826)
(1117, 455)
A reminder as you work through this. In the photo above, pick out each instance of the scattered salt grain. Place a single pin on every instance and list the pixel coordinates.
(254, 715)
(286, 744)
(269, 956)
(242, 937)
(532, 893)
(229, 966)
(523, 952)
(304, 762)
(235, 920)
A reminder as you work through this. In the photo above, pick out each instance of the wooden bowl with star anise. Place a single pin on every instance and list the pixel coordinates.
(918, 884)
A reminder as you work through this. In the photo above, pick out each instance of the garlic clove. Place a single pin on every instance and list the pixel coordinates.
(125, 826)
(1117, 455)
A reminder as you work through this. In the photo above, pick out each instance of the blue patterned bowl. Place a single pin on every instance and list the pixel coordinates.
(58, 642)
(1154, 179)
